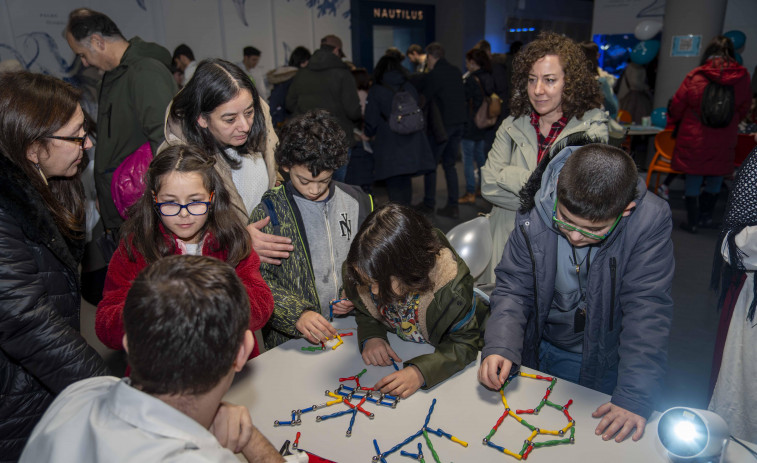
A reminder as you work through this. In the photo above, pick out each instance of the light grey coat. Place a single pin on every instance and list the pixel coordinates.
(511, 161)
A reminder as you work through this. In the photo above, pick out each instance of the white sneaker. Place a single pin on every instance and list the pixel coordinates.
(663, 192)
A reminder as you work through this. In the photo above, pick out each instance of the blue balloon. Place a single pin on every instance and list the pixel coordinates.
(644, 52)
(739, 59)
(737, 37)
(660, 117)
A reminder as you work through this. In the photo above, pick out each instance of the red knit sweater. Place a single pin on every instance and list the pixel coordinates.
(109, 324)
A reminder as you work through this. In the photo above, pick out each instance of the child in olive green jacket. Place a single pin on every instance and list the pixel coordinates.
(403, 276)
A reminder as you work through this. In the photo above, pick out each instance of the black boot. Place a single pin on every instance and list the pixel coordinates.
(692, 215)
(707, 203)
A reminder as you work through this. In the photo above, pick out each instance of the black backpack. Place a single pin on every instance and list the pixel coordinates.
(718, 105)
(406, 116)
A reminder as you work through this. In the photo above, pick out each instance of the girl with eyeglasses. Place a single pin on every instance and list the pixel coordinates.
(41, 242)
(185, 209)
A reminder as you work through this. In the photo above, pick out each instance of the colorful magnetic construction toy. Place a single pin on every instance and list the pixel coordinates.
(424, 431)
(529, 444)
(345, 394)
(326, 345)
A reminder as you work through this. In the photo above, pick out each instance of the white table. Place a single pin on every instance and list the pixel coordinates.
(287, 378)
(638, 130)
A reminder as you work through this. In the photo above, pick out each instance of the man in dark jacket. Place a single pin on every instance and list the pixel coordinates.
(135, 91)
(327, 83)
(444, 86)
(583, 290)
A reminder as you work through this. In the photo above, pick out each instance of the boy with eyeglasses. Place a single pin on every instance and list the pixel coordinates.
(583, 289)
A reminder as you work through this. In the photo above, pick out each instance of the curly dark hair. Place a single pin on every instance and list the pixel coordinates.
(394, 241)
(580, 93)
(313, 139)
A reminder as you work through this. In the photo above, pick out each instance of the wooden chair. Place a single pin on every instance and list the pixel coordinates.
(663, 143)
(624, 117)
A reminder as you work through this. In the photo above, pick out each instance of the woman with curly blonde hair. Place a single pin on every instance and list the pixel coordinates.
(554, 96)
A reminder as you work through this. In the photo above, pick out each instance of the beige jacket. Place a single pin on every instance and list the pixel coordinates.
(175, 136)
(510, 163)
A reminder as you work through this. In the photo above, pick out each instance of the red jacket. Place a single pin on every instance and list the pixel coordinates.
(702, 150)
(109, 324)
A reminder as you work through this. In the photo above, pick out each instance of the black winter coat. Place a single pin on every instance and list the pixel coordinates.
(326, 83)
(444, 85)
(41, 350)
(393, 153)
(474, 98)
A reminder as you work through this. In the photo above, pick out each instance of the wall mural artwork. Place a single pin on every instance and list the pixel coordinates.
(327, 7)
(239, 6)
(39, 51)
(656, 9)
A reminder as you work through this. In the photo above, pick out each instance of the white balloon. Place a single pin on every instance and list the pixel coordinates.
(647, 29)
(473, 242)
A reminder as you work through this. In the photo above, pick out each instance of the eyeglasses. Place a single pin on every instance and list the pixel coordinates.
(80, 140)
(566, 226)
(171, 209)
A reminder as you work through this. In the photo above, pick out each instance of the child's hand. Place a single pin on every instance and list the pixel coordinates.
(378, 352)
(493, 371)
(344, 306)
(314, 327)
(402, 383)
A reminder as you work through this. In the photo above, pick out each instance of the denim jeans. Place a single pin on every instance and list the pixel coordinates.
(559, 362)
(341, 173)
(693, 184)
(473, 150)
(446, 153)
(567, 365)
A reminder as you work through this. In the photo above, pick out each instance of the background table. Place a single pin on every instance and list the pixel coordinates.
(642, 130)
(287, 378)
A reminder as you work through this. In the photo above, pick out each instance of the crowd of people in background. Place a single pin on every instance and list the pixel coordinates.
(271, 172)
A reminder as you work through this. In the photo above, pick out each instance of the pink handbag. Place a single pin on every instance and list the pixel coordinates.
(128, 184)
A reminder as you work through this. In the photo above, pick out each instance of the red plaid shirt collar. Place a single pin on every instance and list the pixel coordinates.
(546, 142)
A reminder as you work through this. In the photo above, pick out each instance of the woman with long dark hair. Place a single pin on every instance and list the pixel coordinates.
(396, 157)
(220, 111)
(42, 152)
(703, 152)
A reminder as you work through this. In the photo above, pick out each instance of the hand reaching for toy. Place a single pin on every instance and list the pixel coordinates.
(314, 327)
(618, 420)
(493, 371)
(343, 306)
(402, 383)
(377, 351)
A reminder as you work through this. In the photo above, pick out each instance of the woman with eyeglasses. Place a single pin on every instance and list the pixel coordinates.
(42, 143)
(186, 209)
(554, 96)
(220, 111)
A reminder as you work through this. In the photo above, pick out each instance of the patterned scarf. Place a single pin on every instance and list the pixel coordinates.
(741, 212)
(554, 131)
